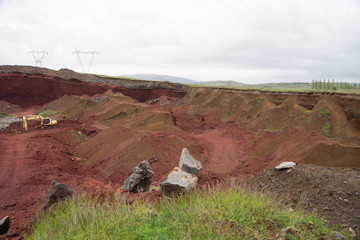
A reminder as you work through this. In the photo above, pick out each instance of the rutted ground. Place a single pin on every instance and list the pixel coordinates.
(106, 128)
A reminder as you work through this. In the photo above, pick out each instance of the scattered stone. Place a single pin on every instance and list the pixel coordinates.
(153, 159)
(4, 225)
(338, 236)
(140, 178)
(189, 164)
(6, 121)
(310, 225)
(153, 101)
(352, 233)
(288, 231)
(57, 192)
(285, 165)
(177, 182)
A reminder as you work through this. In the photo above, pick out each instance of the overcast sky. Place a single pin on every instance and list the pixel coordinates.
(251, 41)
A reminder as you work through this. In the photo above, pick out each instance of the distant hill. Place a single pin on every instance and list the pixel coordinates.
(283, 85)
(164, 78)
(225, 83)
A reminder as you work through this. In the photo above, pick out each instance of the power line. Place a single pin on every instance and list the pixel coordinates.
(92, 53)
(152, 18)
(38, 56)
(195, 21)
(108, 15)
(149, 20)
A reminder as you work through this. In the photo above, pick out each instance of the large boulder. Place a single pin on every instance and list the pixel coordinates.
(57, 192)
(4, 225)
(189, 164)
(140, 178)
(178, 181)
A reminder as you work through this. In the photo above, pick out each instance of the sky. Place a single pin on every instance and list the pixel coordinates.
(250, 41)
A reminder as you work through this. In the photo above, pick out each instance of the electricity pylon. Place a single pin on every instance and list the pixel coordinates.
(92, 53)
(38, 56)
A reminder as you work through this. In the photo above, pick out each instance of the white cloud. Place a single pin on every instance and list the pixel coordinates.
(245, 40)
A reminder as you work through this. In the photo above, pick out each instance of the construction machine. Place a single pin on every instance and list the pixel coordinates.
(45, 122)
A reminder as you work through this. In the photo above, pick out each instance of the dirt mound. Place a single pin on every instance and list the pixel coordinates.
(9, 108)
(333, 155)
(332, 192)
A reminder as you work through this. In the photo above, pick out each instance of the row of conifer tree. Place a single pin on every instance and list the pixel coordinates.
(332, 85)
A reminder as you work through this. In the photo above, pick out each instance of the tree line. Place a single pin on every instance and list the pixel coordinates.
(332, 85)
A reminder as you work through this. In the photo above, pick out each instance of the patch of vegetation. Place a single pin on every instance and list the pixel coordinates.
(276, 107)
(332, 85)
(115, 77)
(327, 129)
(250, 108)
(2, 115)
(75, 137)
(308, 119)
(281, 90)
(231, 213)
(47, 113)
(260, 100)
(324, 114)
(309, 112)
(78, 133)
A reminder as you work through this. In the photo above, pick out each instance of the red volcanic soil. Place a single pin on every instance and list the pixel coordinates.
(29, 162)
(106, 126)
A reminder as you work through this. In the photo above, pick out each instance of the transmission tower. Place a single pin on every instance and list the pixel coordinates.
(38, 56)
(92, 53)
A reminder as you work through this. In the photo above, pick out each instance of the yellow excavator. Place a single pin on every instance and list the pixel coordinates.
(45, 122)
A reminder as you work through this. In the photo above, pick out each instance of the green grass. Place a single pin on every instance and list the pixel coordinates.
(2, 115)
(327, 129)
(324, 114)
(115, 77)
(282, 90)
(231, 213)
(47, 113)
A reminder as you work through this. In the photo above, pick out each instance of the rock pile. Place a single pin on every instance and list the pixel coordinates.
(140, 178)
(182, 178)
(6, 121)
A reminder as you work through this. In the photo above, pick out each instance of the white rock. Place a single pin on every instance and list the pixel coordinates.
(285, 165)
(178, 181)
(189, 164)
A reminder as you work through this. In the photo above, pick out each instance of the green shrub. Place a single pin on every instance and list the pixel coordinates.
(47, 113)
(327, 129)
(324, 114)
(2, 115)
